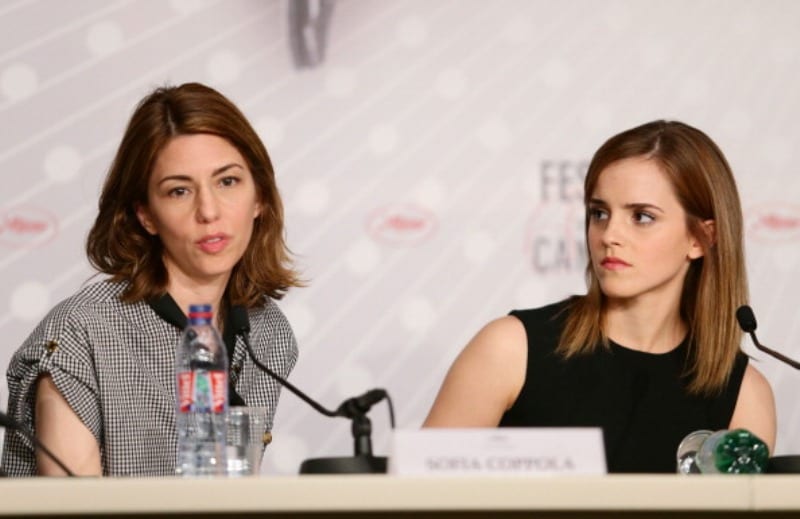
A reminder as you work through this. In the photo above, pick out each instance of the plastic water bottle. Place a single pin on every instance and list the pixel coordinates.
(736, 451)
(201, 366)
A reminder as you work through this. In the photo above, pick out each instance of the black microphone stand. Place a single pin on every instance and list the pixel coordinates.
(363, 461)
(356, 409)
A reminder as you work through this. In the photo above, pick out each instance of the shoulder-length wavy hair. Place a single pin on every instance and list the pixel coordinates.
(118, 245)
(716, 284)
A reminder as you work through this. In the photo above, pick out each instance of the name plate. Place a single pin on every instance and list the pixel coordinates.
(540, 451)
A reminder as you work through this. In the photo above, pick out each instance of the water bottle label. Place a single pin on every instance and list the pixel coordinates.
(202, 391)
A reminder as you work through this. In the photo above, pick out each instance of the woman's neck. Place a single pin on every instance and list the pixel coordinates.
(653, 326)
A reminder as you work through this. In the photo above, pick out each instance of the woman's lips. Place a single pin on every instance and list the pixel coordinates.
(612, 263)
(213, 243)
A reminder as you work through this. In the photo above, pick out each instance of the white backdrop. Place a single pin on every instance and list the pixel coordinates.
(431, 164)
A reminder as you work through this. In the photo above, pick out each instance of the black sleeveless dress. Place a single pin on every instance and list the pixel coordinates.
(638, 398)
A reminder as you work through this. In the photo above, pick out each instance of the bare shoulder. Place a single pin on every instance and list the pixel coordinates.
(755, 407)
(499, 350)
(485, 379)
(755, 379)
(501, 337)
(757, 388)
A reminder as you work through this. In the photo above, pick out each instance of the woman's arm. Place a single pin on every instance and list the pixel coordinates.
(485, 379)
(60, 429)
(755, 407)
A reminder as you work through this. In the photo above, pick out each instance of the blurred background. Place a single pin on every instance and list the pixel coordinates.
(430, 155)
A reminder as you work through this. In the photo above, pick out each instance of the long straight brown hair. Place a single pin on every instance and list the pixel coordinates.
(118, 244)
(715, 285)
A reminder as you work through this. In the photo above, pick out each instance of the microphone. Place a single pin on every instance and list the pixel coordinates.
(747, 322)
(359, 405)
(355, 409)
(12, 425)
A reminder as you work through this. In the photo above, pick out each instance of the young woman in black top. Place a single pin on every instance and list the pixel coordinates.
(652, 351)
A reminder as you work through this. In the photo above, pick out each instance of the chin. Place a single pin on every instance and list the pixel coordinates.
(214, 271)
(611, 291)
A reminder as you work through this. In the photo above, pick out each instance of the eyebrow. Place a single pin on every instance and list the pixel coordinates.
(632, 205)
(218, 171)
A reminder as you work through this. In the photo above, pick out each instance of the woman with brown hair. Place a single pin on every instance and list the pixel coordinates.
(189, 213)
(652, 351)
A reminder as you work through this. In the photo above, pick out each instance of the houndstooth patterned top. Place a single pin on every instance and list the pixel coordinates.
(114, 364)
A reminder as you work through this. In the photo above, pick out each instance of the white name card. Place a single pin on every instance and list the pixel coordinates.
(541, 451)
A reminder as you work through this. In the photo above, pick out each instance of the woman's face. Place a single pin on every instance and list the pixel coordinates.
(201, 203)
(639, 242)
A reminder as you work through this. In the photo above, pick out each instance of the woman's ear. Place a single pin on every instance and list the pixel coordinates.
(145, 218)
(707, 239)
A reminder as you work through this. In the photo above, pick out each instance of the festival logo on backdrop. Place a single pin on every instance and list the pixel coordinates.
(27, 227)
(554, 237)
(401, 224)
(773, 222)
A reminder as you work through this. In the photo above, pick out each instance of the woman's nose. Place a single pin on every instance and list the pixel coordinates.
(207, 206)
(612, 233)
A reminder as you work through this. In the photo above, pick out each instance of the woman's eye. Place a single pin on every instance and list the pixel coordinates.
(229, 181)
(642, 217)
(177, 192)
(597, 214)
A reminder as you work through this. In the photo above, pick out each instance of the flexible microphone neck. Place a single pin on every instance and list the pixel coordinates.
(351, 408)
(747, 322)
(13, 425)
(285, 383)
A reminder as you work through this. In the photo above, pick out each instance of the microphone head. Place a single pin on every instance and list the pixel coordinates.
(746, 318)
(6, 421)
(240, 321)
(360, 405)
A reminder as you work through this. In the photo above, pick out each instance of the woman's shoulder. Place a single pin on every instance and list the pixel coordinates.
(65, 329)
(84, 303)
(268, 314)
(551, 315)
(269, 323)
(98, 293)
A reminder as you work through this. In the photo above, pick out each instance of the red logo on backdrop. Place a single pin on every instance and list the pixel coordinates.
(777, 222)
(24, 227)
(401, 224)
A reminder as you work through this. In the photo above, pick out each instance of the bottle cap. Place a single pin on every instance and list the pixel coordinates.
(200, 314)
(741, 452)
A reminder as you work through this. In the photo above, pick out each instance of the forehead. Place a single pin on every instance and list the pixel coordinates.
(195, 153)
(633, 180)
